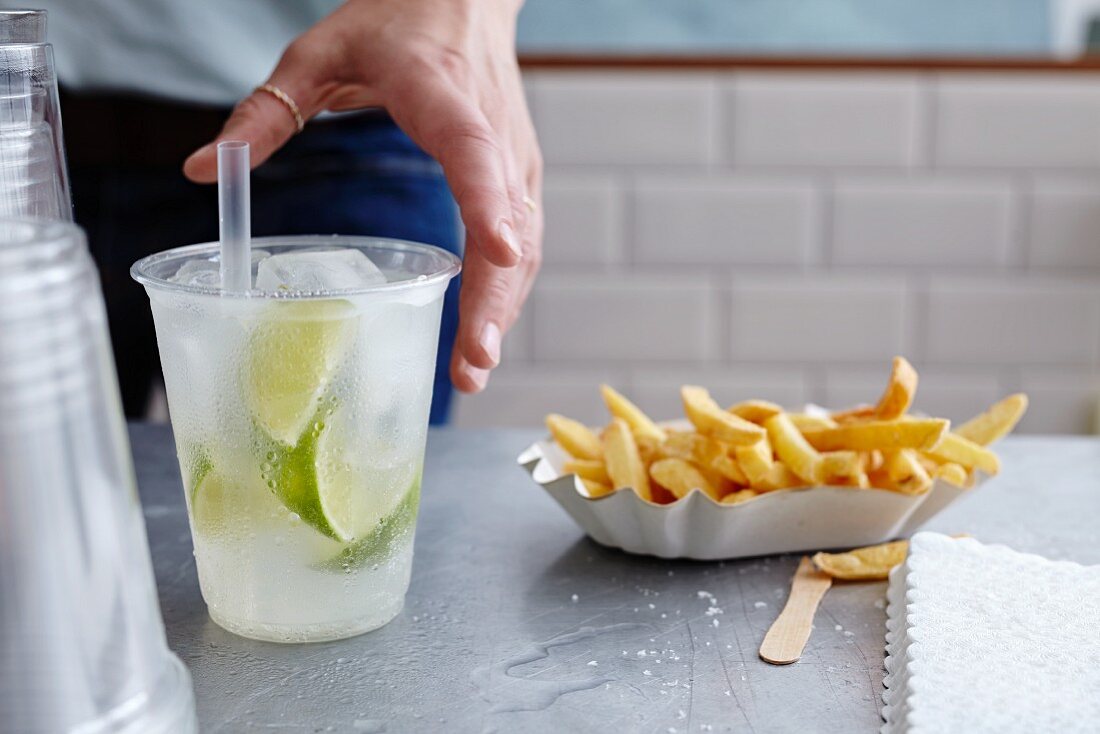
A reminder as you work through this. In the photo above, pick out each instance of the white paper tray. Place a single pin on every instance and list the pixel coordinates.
(784, 521)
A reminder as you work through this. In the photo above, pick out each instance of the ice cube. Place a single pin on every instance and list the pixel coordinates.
(313, 271)
(206, 272)
(202, 273)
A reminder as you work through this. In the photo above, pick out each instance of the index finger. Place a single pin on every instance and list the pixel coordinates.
(262, 119)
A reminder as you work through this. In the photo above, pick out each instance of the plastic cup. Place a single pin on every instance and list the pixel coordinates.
(300, 420)
(82, 646)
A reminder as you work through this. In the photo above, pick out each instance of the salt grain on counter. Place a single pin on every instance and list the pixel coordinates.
(575, 598)
(592, 662)
(838, 628)
(760, 604)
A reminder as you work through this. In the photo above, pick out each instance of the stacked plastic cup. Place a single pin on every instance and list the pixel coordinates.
(82, 645)
(33, 178)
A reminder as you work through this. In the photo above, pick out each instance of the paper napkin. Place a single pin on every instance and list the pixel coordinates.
(982, 638)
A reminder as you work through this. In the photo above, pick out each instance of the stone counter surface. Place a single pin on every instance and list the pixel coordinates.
(515, 622)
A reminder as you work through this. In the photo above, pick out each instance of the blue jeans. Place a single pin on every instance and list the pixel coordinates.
(357, 175)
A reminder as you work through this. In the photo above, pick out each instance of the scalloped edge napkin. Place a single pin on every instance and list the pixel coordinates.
(982, 638)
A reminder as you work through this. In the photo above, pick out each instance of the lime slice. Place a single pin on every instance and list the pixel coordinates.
(222, 506)
(376, 544)
(292, 355)
(212, 503)
(320, 478)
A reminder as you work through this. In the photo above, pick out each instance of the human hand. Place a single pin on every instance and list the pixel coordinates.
(446, 71)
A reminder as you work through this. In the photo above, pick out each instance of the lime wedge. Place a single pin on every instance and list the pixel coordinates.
(292, 355)
(298, 479)
(221, 505)
(375, 544)
(320, 478)
(212, 504)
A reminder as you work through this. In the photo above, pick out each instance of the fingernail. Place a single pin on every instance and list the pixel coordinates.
(479, 377)
(490, 342)
(509, 236)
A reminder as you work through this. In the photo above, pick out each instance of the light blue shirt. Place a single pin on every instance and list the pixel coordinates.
(202, 51)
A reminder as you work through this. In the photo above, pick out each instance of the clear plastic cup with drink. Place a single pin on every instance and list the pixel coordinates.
(300, 413)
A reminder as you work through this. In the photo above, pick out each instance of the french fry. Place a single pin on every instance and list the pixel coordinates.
(953, 474)
(842, 467)
(854, 415)
(860, 480)
(575, 437)
(793, 449)
(756, 447)
(755, 411)
(996, 422)
(624, 464)
(955, 448)
(930, 465)
(906, 473)
(713, 456)
(916, 433)
(730, 469)
(639, 422)
(681, 444)
(736, 498)
(863, 564)
(779, 476)
(680, 477)
(648, 449)
(755, 461)
(711, 420)
(596, 489)
(590, 469)
(806, 422)
(897, 398)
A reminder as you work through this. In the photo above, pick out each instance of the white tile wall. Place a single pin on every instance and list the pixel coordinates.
(1061, 401)
(857, 119)
(623, 317)
(725, 220)
(1013, 321)
(1017, 120)
(1065, 222)
(587, 216)
(925, 220)
(521, 395)
(819, 317)
(625, 119)
(783, 234)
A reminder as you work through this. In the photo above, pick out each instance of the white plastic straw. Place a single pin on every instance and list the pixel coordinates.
(234, 216)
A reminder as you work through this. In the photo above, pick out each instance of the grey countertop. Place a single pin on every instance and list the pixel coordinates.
(515, 622)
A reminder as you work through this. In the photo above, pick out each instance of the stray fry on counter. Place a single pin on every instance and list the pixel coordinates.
(756, 446)
(871, 563)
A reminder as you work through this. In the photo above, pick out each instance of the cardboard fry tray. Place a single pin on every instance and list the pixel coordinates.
(697, 527)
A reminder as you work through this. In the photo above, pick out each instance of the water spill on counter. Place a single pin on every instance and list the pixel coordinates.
(507, 691)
